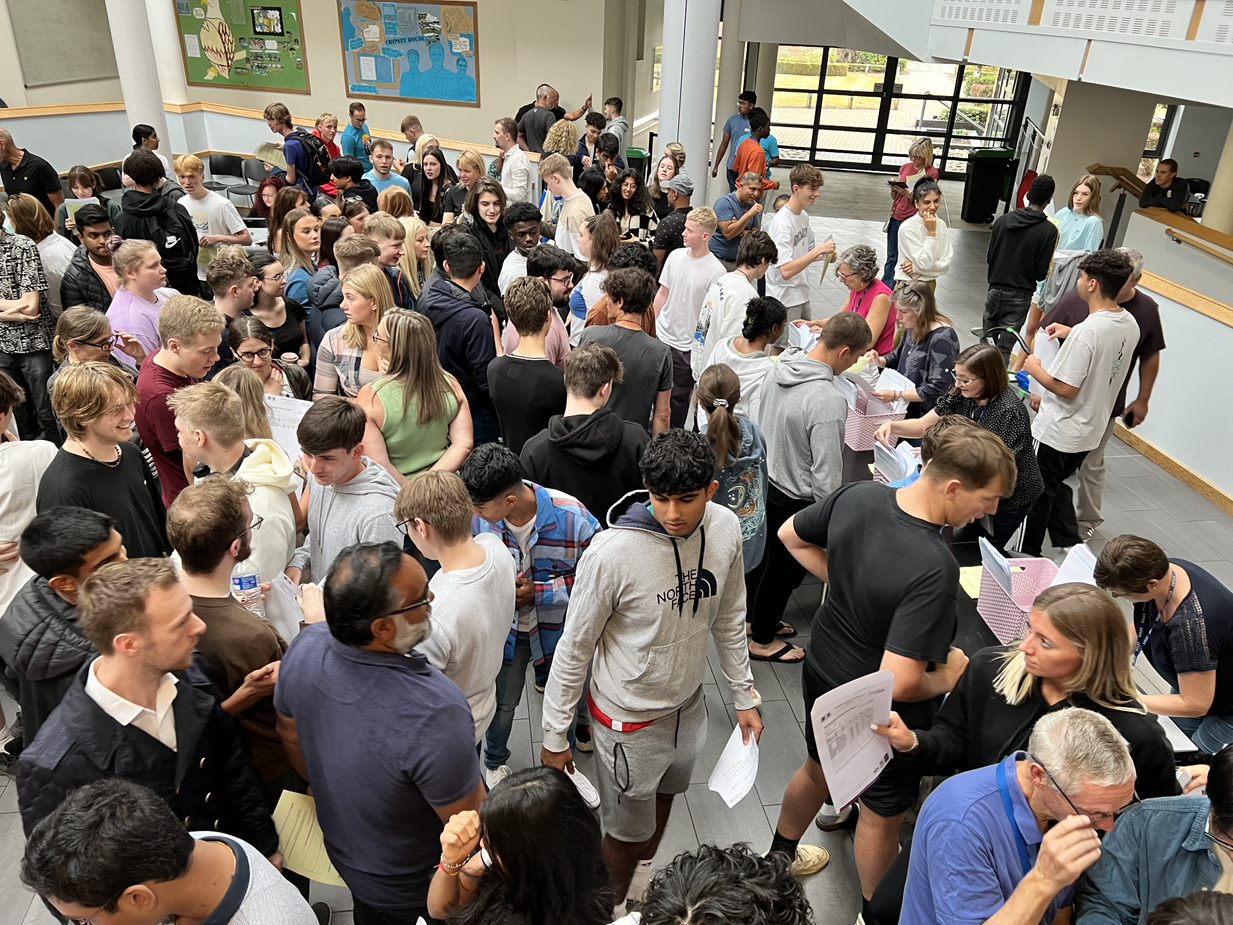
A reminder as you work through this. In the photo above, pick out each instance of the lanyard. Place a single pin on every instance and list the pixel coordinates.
(1020, 842)
(1146, 633)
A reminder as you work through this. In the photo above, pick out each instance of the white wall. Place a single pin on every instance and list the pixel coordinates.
(1199, 139)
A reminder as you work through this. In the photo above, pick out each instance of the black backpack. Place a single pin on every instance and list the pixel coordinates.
(318, 157)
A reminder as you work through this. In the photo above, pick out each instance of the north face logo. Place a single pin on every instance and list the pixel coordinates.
(697, 583)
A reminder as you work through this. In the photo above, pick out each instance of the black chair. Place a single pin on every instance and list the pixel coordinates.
(111, 185)
(1199, 190)
(224, 166)
(254, 172)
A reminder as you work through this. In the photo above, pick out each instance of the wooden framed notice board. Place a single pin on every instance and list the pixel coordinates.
(252, 44)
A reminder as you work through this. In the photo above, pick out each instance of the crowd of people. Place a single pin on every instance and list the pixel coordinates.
(566, 425)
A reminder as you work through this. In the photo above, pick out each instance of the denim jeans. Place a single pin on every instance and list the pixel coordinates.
(1209, 733)
(32, 370)
(892, 252)
(1005, 308)
(511, 680)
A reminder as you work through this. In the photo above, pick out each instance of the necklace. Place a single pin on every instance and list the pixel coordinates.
(93, 458)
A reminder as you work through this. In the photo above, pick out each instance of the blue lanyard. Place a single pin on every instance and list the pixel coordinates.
(1144, 635)
(1020, 842)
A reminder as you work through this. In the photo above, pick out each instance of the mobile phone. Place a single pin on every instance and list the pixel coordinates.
(1129, 419)
(898, 183)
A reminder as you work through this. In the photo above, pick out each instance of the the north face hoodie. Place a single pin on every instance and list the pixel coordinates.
(644, 606)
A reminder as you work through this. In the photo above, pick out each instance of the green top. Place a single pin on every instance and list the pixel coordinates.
(412, 447)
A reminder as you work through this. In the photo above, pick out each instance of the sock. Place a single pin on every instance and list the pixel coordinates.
(828, 810)
(784, 845)
(640, 881)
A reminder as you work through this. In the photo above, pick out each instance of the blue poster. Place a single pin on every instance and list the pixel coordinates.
(424, 52)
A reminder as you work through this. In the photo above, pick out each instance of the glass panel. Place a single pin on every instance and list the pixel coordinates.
(830, 139)
(795, 107)
(843, 111)
(983, 120)
(935, 79)
(919, 115)
(895, 148)
(848, 69)
(793, 136)
(982, 81)
(1155, 131)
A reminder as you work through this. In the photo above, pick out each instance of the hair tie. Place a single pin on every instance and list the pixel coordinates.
(720, 403)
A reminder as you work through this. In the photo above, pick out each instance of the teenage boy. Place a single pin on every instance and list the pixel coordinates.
(576, 206)
(390, 236)
(147, 213)
(412, 129)
(382, 175)
(190, 331)
(522, 220)
(515, 168)
(736, 212)
(26, 331)
(350, 489)
(687, 275)
(751, 156)
(356, 140)
(546, 532)
(670, 233)
(902, 621)
(1080, 390)
(1166, 189)
(667, 578)
(98, 467)
(588, 437)
(526, 388)
(347, 175)
(215, 218)
(472, 594)
(278, 121)
(91, 278)
(556, 268)
(616, 125)
(723, 307)
(736, 126)
(789, 228)
(234, 282)
(585, 156)
(645, 397)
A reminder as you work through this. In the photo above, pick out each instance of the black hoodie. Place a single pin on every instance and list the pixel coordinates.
(465, 341)
(593, 457)
(155, 217)
(1020, 248)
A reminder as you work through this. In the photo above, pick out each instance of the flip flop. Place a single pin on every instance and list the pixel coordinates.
(778, 655)
(785, 630)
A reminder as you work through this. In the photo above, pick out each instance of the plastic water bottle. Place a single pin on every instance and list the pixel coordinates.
(246, 587)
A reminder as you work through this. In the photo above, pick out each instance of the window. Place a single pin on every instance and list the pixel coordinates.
(1157, 139)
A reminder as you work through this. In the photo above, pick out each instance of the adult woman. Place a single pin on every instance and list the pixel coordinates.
(597, 241)
(485, 211)
(348, 358)
(333, 230)
(285, 317)
(925, 250)
(562, 139)
(1183, 620)
(982, 394)
(629, 201)
(926, 355)
(55, 251)
(395, 201)
(83, 183)
(870, 297)
(324, 207)
(593, 182)
(746, 354)
(919, 167)
(141, 296)
(544, 862)
(418, 417)
(267, 194)
(301, 242)
(355, 211)
(286, 200)
(431, 182)
(245, 383)
(665, 170)
(84, 335)
(253, 345)
(416, 260)
(470, 169)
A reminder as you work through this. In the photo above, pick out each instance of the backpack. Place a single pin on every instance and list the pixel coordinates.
(318, 157)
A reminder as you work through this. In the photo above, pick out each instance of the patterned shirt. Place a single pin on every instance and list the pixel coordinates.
(21, 272)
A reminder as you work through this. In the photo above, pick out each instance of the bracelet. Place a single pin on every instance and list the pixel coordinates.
(450, 870)
(915, 744)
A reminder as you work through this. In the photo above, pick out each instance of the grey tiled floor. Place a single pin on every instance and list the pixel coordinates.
(1140, 497)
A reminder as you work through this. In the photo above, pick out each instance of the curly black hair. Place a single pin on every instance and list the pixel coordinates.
(491, 471)
(677, 462)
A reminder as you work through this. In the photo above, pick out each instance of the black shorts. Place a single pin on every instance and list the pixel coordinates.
(894, 791)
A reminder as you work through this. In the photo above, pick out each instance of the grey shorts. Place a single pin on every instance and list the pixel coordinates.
(633, 767)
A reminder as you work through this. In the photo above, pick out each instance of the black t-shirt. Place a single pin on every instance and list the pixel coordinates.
(526, 394)
(558, 111)
(288, 337)
(669, 236)
(454, 199)
(892, 587)
(129, 493)
(34, 176)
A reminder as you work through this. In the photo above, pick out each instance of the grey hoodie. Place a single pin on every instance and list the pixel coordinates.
(643, 607)
(802, 417)
(358, 511)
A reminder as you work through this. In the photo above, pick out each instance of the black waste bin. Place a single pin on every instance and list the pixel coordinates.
(985, 184)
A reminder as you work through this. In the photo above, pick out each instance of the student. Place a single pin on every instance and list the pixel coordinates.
(91, 278)
(215, 218)
(556, 268)
(382, 175)
(789, 228)
(348, 358)
(149, 215)
(751, 156)
(919, 167)
(285, 316)
(526, 388)
(666, 577)
(1080, 391)
(687, 275)
(924, 250)
(516, 177)
(723, 307)
(25, 344)
(669, 234)
(356, 141)
(22, 464)
(470, 167)
(630, 203)
(522, 220)
(1166, 189)
(235, 283)
(299, 149)
(736, 213)
(325, 289)
(390, 236)
(412, 129)
(736, 126)
(617, 125)
(56, 252)
(301, 240)
(746, 354)
(472, 593)
(576, 208)
(586, 155)
(347, 174)
(484, 219)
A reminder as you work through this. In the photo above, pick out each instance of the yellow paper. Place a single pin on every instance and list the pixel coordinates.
(300, 839)
(969, 580)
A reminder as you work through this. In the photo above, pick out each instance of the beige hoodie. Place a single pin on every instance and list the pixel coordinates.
(267, 468)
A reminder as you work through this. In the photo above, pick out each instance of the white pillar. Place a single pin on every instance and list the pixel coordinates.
(731, 75)
(1218, 213)
(686, 97)
(165, 32)
(134, 48)
(764, 83)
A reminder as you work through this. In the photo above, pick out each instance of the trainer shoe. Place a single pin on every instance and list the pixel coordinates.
(586, 789)
(640, 883)
(830, 821)
(494, 776)
(582, 738)
(809, 860)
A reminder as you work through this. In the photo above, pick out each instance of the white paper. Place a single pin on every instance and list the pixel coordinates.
(997, 565)
(803, 336)
(282, 608)
(192, 46)
(852, 755)
(368, 67)
(892, 380)
(1045, 350)
(1079, 565)
(896, 464)
(736, 769)
(1149, 682)
(285, 416)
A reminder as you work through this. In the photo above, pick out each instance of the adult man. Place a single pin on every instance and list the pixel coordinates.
(140, 711)
(736, 126)
(386, 739)
(617, 125)
(350, 489)
(1021, 246)
(91, 278)
(534, 124)
(687, 275)
(40, 639)
(522, 220)
(802, 416)
(151, 216)
(751, 156)
(1080, 391)
(903, 622)
(576, 206)
(645, 397)
(1070, 311)
(465, 334)
(382, 175)
(723, 307)
(546, 532)
(25, 332)
(99, 467)
(472, 594)
(115, 845)
(215, 218)
(234, 282)
(554, 104)
(190, 331)
(412, 128)
(356, 140)
(515, 168)
(736, 212)
(633, 603)
(23, 172)
(669, 234)
(588, 437)
(556, 268)
(1006, 843)
(789, 228)
(209, 420)
(526, 388)
(1165, 190)
(347, 174)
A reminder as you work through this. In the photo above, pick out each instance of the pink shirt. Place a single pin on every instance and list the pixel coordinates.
(556, 345)
(861, 302)
(132, 314)
(903, 208)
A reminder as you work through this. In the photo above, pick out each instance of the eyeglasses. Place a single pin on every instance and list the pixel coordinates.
(258, 520)
(73, 921)
(248, 356)
(113, 341)
(1096, 818)
(839, 274)
(423, 602)
(276, 278)
(567, 281)
(1207, 830)
(962, 381)
(378, 339)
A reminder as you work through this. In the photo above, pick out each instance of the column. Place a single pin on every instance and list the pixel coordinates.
(731, 74)
(764, 84)
(1218, 213)
(686, 98)
(134, 48)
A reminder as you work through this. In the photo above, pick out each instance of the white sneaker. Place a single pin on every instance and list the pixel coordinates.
(492, 777)
(586, 789)
(640, 883)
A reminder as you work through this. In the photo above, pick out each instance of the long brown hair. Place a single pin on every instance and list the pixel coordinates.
(248, 385)
(413, 362)
(1093, 204)
(605, 238)
(292, 256)
(719, 392)
(918, 296)
(985, 362)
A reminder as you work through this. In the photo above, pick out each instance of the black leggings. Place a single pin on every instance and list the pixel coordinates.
(770, 585)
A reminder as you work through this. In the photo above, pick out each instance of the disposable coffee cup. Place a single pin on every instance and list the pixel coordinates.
(290, 358)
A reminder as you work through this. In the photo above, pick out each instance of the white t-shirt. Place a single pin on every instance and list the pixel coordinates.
(575, 210)
(514, 267)
(687, 280)
(22, 465)
(56, 253)
(794, 238)
(211, 214)
(470, 622)
(523, 537)
(1095, 358)
(722, 316)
